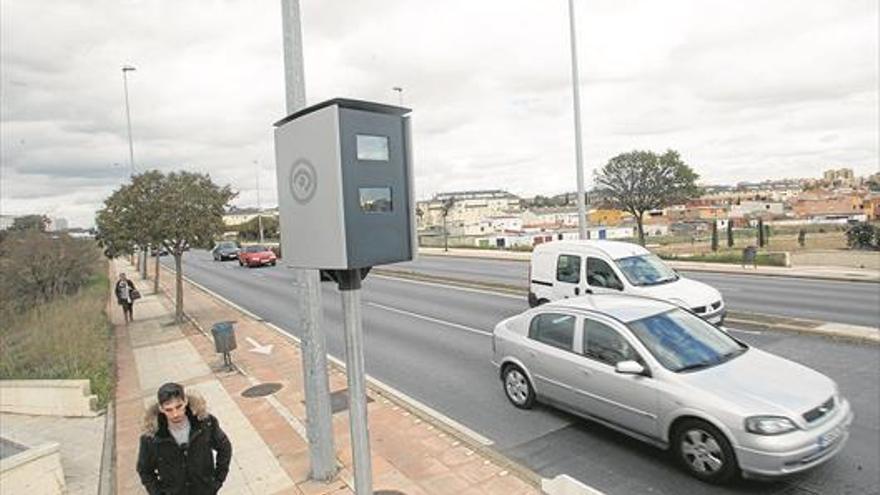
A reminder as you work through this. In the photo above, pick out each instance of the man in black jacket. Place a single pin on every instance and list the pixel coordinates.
(177, 447)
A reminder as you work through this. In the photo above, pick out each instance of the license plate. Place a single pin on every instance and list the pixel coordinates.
(830, 437)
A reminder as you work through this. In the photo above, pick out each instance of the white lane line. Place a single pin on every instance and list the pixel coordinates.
(428, 318)
(450, 287)
(750, 332)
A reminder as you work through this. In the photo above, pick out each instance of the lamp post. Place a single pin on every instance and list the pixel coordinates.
(582, 210)
(399, 94)
(259, 207)
(125, 70)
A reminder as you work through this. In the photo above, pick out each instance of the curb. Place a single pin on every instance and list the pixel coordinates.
(673, 263)
(473, 440)
(757, 321)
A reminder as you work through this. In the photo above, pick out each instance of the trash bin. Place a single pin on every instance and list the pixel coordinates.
(224, 337)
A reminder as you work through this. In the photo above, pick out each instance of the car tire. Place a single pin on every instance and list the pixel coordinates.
(517, 387)
(240, 263)
(704, 452)
(272, 263)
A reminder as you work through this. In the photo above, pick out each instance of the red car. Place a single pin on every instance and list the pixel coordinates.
(256, 256)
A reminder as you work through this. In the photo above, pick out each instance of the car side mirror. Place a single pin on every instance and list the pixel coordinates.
(629, 368)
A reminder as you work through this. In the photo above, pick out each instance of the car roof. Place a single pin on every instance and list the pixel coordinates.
(623, 307)
(614, 249)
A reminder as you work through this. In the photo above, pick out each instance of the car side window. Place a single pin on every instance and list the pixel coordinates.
(600, 274)
(554, 329)
(605, 344)
(568, 268)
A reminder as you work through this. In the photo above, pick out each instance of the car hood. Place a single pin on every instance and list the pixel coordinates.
(760, 383)
(684, 290)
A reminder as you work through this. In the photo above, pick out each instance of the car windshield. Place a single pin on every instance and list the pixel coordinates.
(647, 269)
(227, 245)
(256, 249)
(682, 341)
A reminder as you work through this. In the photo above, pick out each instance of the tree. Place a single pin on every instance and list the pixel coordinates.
(177, 210)
(444, 208)
(863, 236)
(640, 181)
(714, 235)
(191, 214)
(729, 233)
(39, 223)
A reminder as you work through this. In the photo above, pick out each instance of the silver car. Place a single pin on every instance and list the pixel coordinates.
(659, 373)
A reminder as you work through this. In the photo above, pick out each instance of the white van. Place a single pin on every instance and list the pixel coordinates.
(563, 269)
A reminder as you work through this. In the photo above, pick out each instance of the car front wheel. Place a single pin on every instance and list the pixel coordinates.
(517, 387)
(704, 452)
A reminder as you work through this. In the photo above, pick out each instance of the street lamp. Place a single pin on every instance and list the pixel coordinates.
(582, 210)
(399, 94)
(259, 208)
(125, 70)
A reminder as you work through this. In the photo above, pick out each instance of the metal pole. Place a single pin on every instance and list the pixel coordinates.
(125, 70)
(259, 208)
(582, 210)
(350, 289)
(307, 285)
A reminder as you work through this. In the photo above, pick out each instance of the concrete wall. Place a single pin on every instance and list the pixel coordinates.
(47, 397)
(35, 471)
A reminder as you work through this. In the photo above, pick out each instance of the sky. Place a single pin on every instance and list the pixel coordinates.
(744, 90)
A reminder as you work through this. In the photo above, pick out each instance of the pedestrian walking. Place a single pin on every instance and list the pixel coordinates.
(126, 294)
(177, 447)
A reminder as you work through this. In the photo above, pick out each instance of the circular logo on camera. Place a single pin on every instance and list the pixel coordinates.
(303, 181)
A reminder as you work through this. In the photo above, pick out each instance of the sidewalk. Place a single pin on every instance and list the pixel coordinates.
(412, 453)
(843, 273)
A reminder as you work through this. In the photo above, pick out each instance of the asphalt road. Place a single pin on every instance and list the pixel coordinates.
(853, 303)
(432, 342)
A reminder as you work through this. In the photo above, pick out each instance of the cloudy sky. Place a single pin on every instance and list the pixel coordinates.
(743, 89)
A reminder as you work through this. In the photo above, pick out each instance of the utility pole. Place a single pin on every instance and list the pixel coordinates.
(582, 209)
(125, 70)
(307, 285)
(259, 207)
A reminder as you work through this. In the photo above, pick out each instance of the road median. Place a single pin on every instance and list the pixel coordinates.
(740, 319)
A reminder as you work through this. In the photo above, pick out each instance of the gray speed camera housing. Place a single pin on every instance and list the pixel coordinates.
(345, 191)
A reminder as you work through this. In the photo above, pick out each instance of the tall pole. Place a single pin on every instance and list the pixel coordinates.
(399, 94)
(125, 70)
(259, 207)
(306, 283)
(582, 209)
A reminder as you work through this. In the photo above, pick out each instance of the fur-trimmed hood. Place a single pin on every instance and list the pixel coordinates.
(196, 408)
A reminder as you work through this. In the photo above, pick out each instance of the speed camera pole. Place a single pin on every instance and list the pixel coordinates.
(319, 416)
(350, 289)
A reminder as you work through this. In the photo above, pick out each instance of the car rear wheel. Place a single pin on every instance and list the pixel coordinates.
(517, 387)
(704, 452)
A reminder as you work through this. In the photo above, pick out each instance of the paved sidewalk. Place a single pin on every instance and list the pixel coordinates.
(844, 273)
(412, 453)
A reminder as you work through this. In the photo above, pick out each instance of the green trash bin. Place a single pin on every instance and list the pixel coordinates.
(224, 340)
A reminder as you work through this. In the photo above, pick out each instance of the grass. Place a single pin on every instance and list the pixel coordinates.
(66, 338)
(732, 257)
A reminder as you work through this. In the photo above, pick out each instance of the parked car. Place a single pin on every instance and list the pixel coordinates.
(253, 256)
(659, 373)
(563, 269)
(159, 251)
(225, 250)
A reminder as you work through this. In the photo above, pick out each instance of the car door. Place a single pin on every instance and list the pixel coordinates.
(550, 355)
(601, 278)
(568, 276)
(627, 400)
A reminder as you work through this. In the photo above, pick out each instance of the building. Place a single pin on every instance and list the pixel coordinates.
(828, 205)
(839, 177)
(551, 216)
(757, 208)
(57, 224)
(466, 207)
(238, 216)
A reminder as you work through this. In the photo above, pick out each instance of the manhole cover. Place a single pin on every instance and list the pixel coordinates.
(262, 390)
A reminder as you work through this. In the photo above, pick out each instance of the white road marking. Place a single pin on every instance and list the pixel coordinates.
(259, 348)
(428, 318)
(452, 287)
(750, 332)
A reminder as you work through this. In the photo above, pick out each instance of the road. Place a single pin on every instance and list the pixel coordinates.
(432, 342)
(853, 303)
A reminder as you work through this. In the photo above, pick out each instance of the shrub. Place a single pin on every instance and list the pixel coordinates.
(863, 236)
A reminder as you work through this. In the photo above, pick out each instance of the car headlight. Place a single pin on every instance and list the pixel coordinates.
(769, 425)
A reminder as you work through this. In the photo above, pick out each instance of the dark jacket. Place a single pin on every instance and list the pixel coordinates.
(118, 289)
(168, 469)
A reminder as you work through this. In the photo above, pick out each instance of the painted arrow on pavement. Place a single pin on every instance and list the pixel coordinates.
(261, 349)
